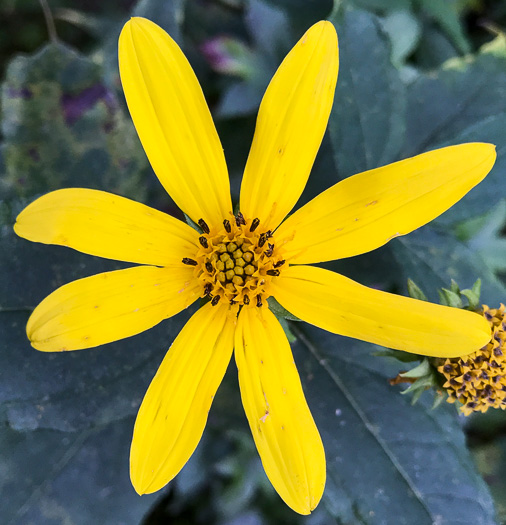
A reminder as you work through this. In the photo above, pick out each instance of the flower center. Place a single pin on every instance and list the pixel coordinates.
(236, 261)
(478, 380)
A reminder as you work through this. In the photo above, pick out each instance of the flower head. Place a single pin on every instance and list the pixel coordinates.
(478, 380)
(238, 261)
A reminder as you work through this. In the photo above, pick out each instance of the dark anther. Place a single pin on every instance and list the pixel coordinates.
(254, 225)
(274, 273)
(262, 240)
(467, 377)
(269, 251)
(279, 263)
(447, 368)
(216, 300)
(189, 262)
(202, 223)
(246, 299)
(208, 288)
(239, 219)
(232, 302)
(209, 267)
(259, 301)
(226, 223)
(203, 242)
(268, 233)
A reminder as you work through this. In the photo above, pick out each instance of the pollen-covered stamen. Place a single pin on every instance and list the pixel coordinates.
(236, 263)
(262, 239)
(203, 224)
(254, 225)
(478, 380)
(240, 220)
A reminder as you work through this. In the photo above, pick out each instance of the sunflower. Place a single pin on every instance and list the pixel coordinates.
(237, 261)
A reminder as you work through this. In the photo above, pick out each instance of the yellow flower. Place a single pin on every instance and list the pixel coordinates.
(239, 261)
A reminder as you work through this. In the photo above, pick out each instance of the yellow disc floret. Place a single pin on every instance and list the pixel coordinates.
(478, 380)
(236, 261)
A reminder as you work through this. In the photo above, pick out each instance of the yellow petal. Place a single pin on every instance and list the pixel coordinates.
(110, 306)
(174, 411)
(290, 127)
(283, 429)
(173, 121)
(339, 305)
(103, 224)
(365, 211)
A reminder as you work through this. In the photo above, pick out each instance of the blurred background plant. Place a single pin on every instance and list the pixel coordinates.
(415, 75)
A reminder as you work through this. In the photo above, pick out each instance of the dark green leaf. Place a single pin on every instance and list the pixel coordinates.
(63, 126)
(404, 30)
(168, 14)
(384, 456)
(463, 102)
(433, 258)
(51, 477)
(367, 121)
(303, 13)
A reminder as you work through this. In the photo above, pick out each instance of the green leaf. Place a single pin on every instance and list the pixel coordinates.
(367, 121)
(385, 457)
(60, 477)
(433, 258)
(169, 14)
(447, 16)
(303, 13)
(403, 357)
(488, 239)
(463, 101)
(404, 31)
(63, 126)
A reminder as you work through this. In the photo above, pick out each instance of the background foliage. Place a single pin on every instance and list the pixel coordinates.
(414, 75)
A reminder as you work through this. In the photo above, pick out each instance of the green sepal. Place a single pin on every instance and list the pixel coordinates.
(279, 311)
(415, 291)
(450, 298)
(419, 371)
(454, 287)
(425, 379)
(439, 397)
(404, 357)
(473, 295)
(286, 327)
(194, 225)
